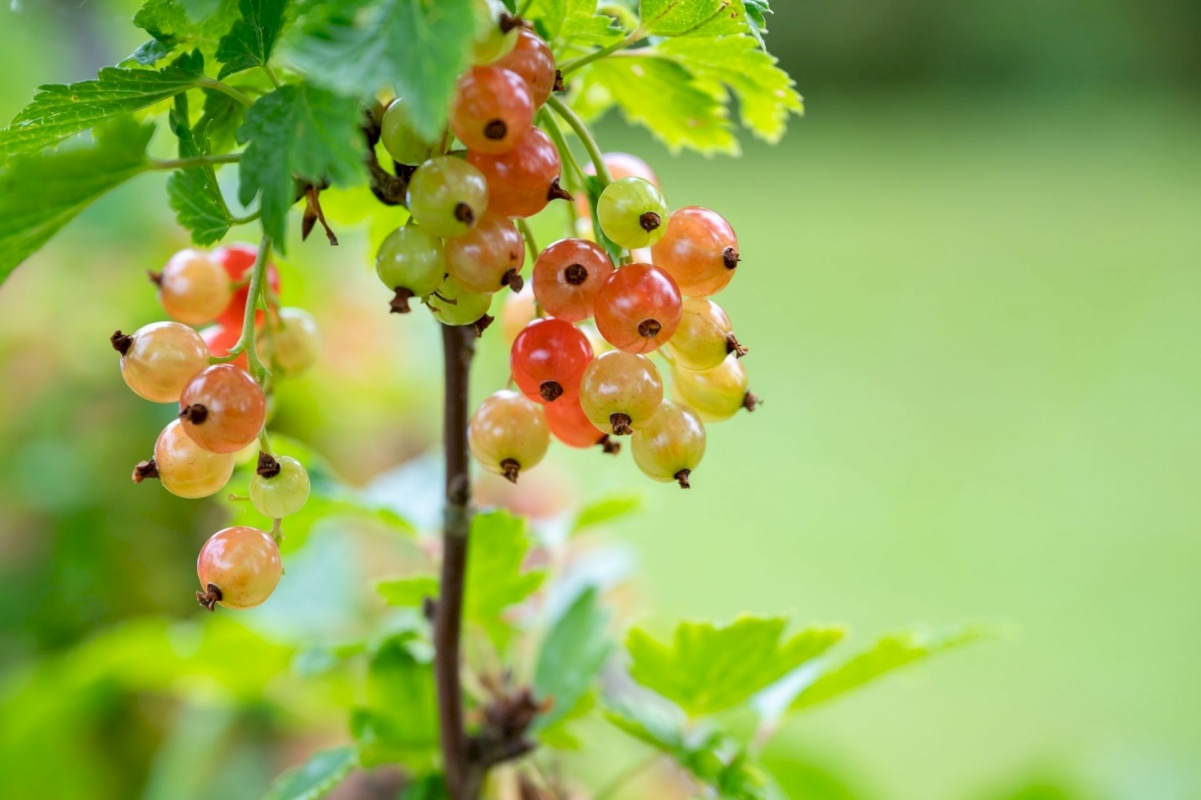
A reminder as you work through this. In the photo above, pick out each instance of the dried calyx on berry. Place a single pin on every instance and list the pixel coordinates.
(145, 470)
(210, 597)
(268, 467)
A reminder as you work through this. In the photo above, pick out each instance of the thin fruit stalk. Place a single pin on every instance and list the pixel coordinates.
(458, 344)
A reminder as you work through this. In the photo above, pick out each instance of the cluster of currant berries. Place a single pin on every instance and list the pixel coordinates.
(461, 246)
(223, 408)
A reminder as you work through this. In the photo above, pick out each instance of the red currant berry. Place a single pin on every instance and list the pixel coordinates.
(671, 444)
(522, 181)
(638, 308)
(492, 109)
(705, 336)
(193, 288)
(567, 277)
(223, 409)
(185, 468)
(620, 391)
(488, 257)
(221, 339)
(508, 434)
(571, 426)
(620, 165)
(714, 394)
(532, 59)
(699, 250)
(548, 359)
(297, 343)
(159, 359)
(238, 260)
(447, 196)
(238, 568)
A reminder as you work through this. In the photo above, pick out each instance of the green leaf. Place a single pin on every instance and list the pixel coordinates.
(691, 17)
(573, 21)
(756, 11)
(766, 95)
(297, 132)
(408, 592)
(316, 778)
(495, 579)
(573, 653)
(399, 722)
(41, 193)
(193, 193)
(221, 118)
(251, 40)
(890, 653)
(660, 94)
(417, 47)
(708, 668)
(606, 509)
(711, 757)
(171, 28)
(59, 110)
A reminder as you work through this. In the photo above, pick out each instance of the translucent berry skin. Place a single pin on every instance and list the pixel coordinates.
(638, 308)
(242, 563)
(399, 138)
(699, 250)
(671, 443)
(410, 259)
(193, 288)
(187, 470)
(520, 182)
(532, 59)
(567, 277)
(491, 110)
(447, 196)
(297, 343)
(714, 394)
(632, 212)
(620, 165)
(223, 409)
(570, 425)
(491, 40)
(508, 434)
(220, 339)
(161, 359)
(466, 308)
(548, 360)
(482, 259)
(238, 260)
(281, 495)
(705, 336)
(618, 383)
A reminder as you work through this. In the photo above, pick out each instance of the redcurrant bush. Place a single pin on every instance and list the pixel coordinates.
(487, 258)
(714, 394)
(620, 392)
(411, 263)
(532, 59)
(567, 277)
(705, 336)
(193, 288)
(238, 568)
(223, 409)
(297, 343)
(638, 308)
(670, 446)
(184, 468)
(522, 181)
(632, 212)
(280, 487)
(447, 196)
(699, 250)
(508, 434)
(548, 360)
(492, 109)
(159, 359)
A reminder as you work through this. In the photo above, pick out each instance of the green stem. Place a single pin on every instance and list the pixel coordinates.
(247, 341)
(246, 220)
(195, 161)
(625, 776)
(225, 88)
(524, 227)
(556, 135)
(571, 66)
(581, 130)
(271, 75)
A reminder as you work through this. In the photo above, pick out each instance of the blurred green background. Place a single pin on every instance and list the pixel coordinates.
(970, 285)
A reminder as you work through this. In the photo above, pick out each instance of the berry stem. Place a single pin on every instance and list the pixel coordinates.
(635, 36)
(225, 88)
(581, 130)
(528, 235)
(255, 293)
(458, 344)
(196, 161)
